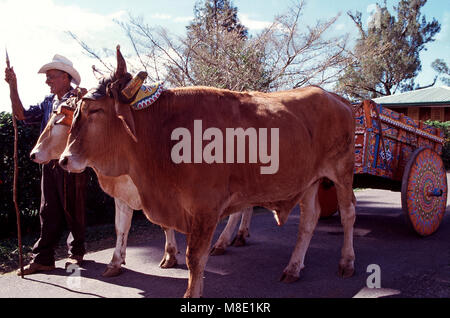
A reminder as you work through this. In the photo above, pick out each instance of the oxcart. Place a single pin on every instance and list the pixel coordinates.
(404, 156)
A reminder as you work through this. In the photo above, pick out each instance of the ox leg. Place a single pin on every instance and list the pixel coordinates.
(123, 218)
(309, 215)
(243, 231)
(225, 237)
(170, 250)
(198, 243)
(347, 203)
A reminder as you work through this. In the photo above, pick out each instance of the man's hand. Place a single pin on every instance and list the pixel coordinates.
(10, 77)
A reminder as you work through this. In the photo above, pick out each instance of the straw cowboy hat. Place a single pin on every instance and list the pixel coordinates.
(62, 63)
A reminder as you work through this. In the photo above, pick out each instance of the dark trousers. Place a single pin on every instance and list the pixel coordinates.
(62, 203)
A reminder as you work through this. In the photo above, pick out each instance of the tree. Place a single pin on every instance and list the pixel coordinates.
(297, 55)
(213, 16)
(217, 50)
(386, 56)
(442, 69)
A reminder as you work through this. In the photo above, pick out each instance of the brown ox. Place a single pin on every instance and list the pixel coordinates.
(51, 144)
(316, 132)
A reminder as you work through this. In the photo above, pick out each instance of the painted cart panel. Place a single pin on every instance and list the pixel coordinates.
(400, 135)
(394, 152)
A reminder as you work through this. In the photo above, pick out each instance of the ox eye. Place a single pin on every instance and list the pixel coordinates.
(93, 111)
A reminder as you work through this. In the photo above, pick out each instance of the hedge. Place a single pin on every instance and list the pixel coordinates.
(100, 207)
(445, 126)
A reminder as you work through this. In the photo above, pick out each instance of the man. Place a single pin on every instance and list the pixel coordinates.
(62, 193)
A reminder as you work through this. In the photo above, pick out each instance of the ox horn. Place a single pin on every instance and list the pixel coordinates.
(134, 85)
(121, 69)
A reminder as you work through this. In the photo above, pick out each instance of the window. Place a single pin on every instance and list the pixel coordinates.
(437, 113)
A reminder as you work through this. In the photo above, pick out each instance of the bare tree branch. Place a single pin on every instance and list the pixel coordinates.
(285, 55)
(91, 51)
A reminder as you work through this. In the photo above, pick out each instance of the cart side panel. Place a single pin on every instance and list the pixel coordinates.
(401, 136)
(427, 142)
(370, 158)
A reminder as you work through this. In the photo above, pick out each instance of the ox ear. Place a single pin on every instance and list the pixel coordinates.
(121, 69)
(124, 114)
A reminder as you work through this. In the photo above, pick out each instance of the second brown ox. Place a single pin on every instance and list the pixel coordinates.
(316, 131)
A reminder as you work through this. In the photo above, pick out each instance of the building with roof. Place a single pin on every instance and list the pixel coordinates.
(423, 104)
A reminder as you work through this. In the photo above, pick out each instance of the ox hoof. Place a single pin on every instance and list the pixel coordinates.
(289, 278)
(171, 262)
(346, 271)
(112, 272)
(216, 251)
(238, 241)
(190, 294)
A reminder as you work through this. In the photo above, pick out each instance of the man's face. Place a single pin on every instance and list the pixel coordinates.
(58, 81)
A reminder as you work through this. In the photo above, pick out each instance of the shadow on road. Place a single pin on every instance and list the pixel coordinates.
(410, 265)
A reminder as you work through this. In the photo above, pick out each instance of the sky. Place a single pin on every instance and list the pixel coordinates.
(33, 31)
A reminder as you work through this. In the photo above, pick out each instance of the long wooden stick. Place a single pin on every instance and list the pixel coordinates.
(16, 175)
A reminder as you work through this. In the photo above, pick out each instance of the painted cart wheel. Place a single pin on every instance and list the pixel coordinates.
(424, 191)
(327, 199)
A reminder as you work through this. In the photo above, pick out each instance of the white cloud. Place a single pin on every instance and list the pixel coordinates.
(340, 27)
(34, 31)
(161, 16)
(371, 8)
(252, 24)
(183, 19)
(374, 18)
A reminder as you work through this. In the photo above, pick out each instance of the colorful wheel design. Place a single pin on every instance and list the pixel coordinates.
(327, 199)
(424, 191)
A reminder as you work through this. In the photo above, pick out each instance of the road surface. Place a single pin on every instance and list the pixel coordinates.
(406, 265)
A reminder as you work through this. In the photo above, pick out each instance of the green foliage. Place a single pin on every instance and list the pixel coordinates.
(28, 191)
(213, 15)
(441, 68)
(100, 207)
(445, 126)
(386, 56)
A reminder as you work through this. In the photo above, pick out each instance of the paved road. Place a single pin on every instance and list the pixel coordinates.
(410, 266)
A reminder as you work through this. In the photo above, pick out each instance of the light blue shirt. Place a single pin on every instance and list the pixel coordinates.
(41, 113)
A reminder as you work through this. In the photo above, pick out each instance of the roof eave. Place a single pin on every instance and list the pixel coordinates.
(422, 104)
